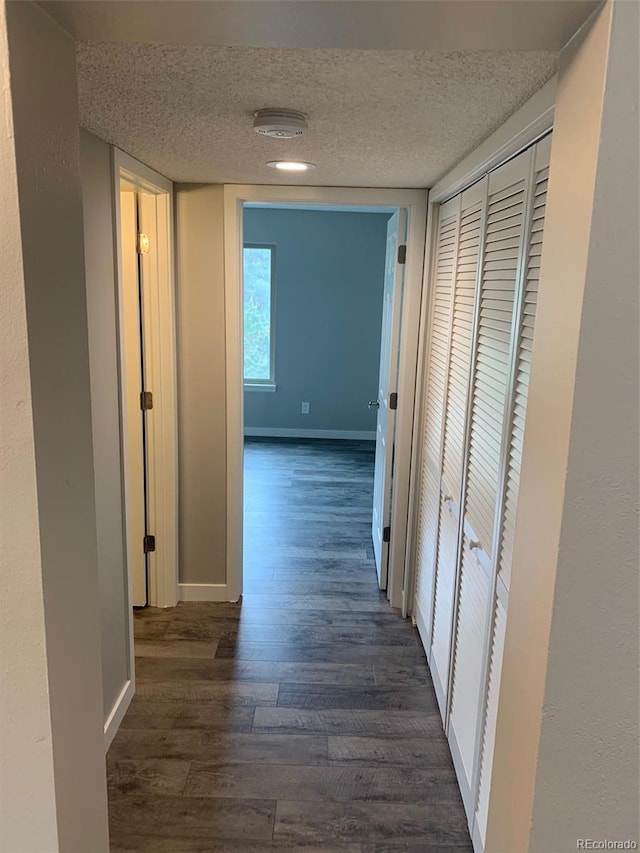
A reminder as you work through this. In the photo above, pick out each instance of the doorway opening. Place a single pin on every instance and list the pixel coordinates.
(143, 201)
(316, 457)
(322, 300)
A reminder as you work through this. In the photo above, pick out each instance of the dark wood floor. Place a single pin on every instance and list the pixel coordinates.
(303, 719)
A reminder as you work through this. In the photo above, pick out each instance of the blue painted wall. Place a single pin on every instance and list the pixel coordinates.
(329, 285)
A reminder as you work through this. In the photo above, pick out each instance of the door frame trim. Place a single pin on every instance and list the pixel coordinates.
(161, 331)
(415, 203)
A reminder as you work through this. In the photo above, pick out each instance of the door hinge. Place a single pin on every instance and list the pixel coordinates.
(149, 544)
(402, 254)
(393, 400)
(143, 244)
(146, 400)
(386, 534)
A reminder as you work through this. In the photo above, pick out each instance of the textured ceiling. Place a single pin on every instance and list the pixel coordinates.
(376, 118)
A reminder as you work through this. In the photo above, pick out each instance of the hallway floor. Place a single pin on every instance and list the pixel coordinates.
(303, 719)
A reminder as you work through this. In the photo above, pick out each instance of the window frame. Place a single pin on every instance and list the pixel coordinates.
(270, 383)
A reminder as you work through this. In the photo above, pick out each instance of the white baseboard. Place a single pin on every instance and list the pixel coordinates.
(112, 723)
(205, 592)
(281, 432)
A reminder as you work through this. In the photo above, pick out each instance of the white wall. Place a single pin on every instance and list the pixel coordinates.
(568, 712)
(98, 214)
(51, 710)
(201, 384)
(589, 749)
(27, 807)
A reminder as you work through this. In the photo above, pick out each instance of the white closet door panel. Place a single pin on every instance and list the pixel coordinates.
(500, 274)
(467, 688)
(491, 712)
(520, 360)
(503, 246)
(522, 371)
(436, 370)
(472, 204)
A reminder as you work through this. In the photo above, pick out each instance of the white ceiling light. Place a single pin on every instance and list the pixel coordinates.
(291, 165)
(280, 124)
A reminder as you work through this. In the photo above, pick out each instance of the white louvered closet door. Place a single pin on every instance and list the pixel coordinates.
(437, 368)
(521, 368)
(472, 212)
(501, 261)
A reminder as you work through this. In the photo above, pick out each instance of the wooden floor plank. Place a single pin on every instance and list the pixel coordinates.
(223, 747)
(317, 697)
(324, 784)
(380, 751)
(160, 844)
(151, 669)
(437, 824)
(239, 649)
(191, 817)
(349, 722)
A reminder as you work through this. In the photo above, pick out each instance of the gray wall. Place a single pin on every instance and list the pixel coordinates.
(329, 283)
(44, 105)
(201, 384)
(97, 200)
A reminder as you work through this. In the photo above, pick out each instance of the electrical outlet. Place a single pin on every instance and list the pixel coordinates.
(305, 408)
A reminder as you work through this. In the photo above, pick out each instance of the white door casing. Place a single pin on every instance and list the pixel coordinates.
(156, 196)
(387, 385)
(414, 205)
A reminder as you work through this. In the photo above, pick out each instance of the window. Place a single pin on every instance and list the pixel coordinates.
(258, 267)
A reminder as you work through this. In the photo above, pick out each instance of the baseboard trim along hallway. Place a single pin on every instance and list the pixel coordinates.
(339, 434)
(117, 713)
(203, 592)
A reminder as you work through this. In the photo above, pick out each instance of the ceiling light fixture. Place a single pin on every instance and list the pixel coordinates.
(279, 124)
(290, 165)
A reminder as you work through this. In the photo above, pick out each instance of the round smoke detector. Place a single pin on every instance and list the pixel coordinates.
(280, 124)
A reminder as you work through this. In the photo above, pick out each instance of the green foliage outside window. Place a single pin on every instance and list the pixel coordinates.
(257, 313)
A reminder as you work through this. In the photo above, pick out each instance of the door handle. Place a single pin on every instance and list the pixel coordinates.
(374, 404)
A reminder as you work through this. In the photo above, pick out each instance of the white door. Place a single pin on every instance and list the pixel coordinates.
(387, 384)
(465, 266)
(500, 283)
